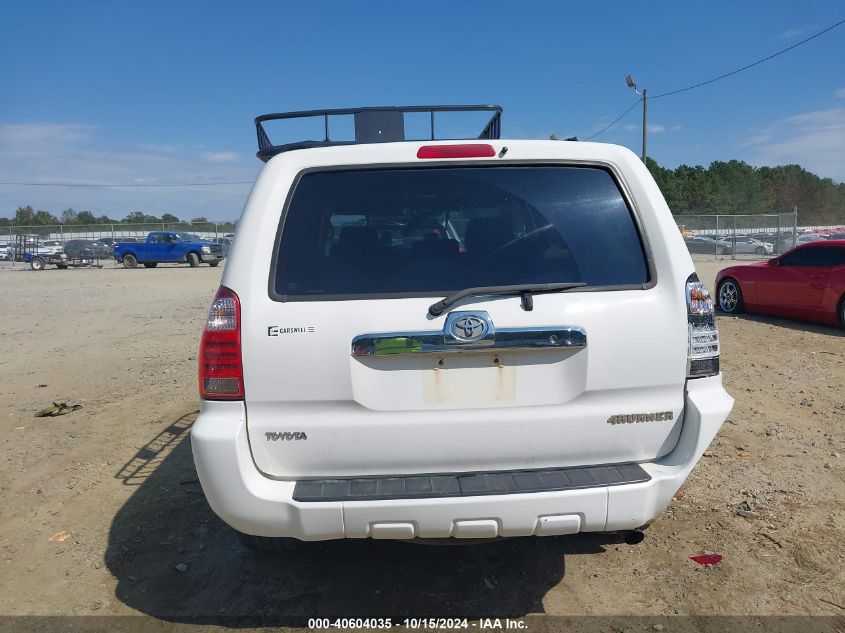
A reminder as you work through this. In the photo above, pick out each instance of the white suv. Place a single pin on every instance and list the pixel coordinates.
(442, 339)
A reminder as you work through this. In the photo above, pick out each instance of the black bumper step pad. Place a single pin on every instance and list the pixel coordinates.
(468, 484)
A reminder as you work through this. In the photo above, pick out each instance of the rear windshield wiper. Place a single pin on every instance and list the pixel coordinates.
(526, 290)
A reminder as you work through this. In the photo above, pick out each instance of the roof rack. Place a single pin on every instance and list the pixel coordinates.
(382, 124)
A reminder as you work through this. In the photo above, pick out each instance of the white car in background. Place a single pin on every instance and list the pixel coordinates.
(743, 244)
(52, 246)
(550, 366)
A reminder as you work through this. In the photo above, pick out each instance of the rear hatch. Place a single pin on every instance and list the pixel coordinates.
(348, 373)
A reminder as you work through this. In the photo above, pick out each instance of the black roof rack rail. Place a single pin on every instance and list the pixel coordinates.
(372, 125)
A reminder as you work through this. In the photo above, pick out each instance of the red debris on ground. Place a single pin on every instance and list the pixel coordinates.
(706, 559)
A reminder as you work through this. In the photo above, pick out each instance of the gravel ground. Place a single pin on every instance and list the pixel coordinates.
(102, 513)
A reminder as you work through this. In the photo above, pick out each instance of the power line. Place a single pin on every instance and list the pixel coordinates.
(615, 121)
(759, 61)
(710, 81)
(96, 185)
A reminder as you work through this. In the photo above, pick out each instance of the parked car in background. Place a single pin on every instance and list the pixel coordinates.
(807, 282)
(708, 245)
(53, 246)
(108, 242)
(6, 251)
(225, 242)
(769, 238)
(745, 244)
(168, 246)
(85, 249)
(807, 238)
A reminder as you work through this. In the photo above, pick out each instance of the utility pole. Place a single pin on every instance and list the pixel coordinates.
(645, 119)
(633, 84)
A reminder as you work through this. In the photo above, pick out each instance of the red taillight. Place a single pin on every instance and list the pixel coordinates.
(463, 150)
(221, 375)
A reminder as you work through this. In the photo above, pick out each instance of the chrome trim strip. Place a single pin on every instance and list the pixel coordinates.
(512, 339)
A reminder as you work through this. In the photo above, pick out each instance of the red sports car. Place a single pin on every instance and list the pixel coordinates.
(807, 282)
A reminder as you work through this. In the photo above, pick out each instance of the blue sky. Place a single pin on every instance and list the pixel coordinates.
(158, 92)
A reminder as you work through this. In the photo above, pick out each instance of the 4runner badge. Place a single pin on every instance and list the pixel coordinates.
(285, 436)
(630, 418)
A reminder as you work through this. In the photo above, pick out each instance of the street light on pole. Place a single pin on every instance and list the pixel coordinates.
(633, 84)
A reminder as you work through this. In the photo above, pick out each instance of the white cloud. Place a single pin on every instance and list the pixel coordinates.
(815, 140)
(840, 94)
(218, 157)
(17, 134)
(70, 153)
(803, 30)
(653, 128)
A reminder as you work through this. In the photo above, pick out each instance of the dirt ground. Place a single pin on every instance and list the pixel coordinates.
(102, 513)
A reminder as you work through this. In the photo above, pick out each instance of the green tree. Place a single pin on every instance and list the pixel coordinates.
(23, 215)
(86, 217)
(44, 218)
(139, 217)
(69, 216)
(736, 188)
(169, 218)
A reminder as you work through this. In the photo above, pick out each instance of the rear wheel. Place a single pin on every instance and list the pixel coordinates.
(193, 260)
(129, 261)
(214, 263)
(268, 543)
(720, 250)
(36, 263)
(150, 264)
(62, 266)
(730, 297)
(760, 250)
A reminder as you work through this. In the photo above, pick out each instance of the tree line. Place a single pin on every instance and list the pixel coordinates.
(729, 188)
(735, 187)
(27, 216)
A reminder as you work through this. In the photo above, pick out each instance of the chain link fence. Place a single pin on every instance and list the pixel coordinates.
(754, 236)
(206, 230)
(15, 241)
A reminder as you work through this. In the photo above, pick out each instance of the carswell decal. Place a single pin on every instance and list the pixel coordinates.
(277, 330)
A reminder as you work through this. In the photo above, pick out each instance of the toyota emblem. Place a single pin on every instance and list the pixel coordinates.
(469, 328)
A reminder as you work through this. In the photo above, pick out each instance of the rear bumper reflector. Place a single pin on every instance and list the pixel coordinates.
(468, 484)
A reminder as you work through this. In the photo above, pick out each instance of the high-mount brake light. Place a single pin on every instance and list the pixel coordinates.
(220, 363)
(461, 150)
(703, 344)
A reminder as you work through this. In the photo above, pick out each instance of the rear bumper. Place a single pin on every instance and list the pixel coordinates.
(255, 504)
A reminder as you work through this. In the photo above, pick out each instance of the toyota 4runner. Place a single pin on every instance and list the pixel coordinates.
(452, 339)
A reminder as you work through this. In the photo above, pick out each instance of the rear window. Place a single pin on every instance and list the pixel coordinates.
(418, 232)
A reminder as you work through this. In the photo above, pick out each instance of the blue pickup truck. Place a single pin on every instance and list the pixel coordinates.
(166, 246)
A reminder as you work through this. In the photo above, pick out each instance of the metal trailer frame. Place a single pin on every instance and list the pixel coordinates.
(40, 260)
